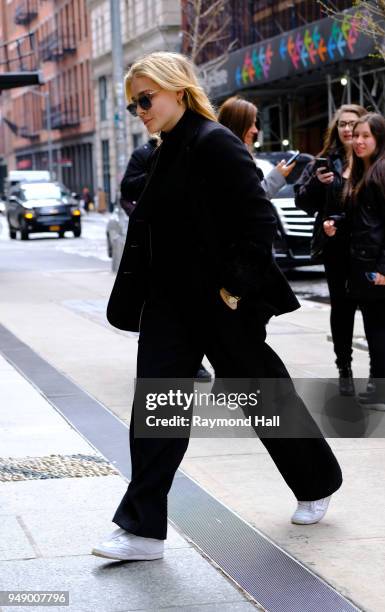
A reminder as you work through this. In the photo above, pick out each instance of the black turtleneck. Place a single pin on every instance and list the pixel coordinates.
(170, 217)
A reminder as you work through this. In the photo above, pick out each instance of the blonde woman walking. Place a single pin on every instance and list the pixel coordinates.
(197, 277)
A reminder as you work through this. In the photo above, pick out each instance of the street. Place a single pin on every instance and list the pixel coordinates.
(46, 252)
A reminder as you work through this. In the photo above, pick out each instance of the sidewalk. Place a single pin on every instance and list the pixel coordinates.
(58, 496)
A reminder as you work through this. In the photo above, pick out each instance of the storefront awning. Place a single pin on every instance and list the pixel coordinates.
(9, 80)
(292, 54)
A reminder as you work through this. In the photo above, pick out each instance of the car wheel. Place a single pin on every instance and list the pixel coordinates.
(77, 232)
(61, 234)
(11, 229)
(24, 230)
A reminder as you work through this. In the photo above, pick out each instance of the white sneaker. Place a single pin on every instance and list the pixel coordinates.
(125, 546)
(309, 512)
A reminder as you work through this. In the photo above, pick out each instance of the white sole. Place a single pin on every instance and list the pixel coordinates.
(306, 523)
(378, 407)
(110, 555)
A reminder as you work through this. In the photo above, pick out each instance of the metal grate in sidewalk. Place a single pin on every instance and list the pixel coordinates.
(54, 466)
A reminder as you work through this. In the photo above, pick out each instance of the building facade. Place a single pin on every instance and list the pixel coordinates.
(51, 126)
(146, 26)
(294, 62)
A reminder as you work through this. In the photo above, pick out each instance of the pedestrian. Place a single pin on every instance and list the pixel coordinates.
(197, 277)
(319, 192)
(131, 187)
(135, 175)
(87, 199)
(364, 201)
(241, 117)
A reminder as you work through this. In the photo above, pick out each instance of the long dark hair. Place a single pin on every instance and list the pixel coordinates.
(332, 141)
(376, 173)
(237, 114)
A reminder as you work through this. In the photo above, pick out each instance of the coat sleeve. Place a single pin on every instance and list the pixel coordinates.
(309, 191)
(249, 225)
(134, 178)
(273, 182)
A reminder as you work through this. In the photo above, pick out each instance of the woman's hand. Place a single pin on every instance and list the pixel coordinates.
(283, 169)
(329, 228)
(379, 280)
(326, 178)
(230, 300)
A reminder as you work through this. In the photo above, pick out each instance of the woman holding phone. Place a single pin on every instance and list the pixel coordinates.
(241, 117)
(202, 203)
(319, 192)
(364, 201)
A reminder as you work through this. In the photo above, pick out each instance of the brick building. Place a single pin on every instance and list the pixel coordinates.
(59, 32)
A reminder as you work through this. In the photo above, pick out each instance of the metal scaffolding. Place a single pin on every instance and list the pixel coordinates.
(364, 87)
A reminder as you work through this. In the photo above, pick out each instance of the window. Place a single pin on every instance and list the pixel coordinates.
(106, 169)
(103, 98)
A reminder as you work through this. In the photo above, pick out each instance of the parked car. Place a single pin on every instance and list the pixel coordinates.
(294, 231)
(116, 235)
(295, 227)
(42, 207)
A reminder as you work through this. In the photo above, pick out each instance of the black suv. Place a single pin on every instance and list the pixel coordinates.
(295, 227)
(42, 207)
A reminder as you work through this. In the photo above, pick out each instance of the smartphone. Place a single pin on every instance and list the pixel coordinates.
(338, 219)
(371, 276)
(322, 162)
(292, 158)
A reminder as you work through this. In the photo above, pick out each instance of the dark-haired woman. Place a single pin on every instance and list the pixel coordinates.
(319, 192)
(241, 117)
(364, 197)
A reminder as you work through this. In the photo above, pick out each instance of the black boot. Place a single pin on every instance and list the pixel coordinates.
(370, 389)
(346, 382)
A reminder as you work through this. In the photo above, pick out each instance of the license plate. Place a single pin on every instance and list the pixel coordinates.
(54, 228)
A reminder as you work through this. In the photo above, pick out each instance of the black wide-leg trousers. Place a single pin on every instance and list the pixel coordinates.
(172, 342)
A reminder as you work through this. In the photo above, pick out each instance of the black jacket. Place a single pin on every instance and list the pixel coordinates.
(366, 223)
(321, 200)
(134, 177)
(209, 173)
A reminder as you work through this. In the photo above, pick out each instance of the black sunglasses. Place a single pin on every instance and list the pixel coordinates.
(144, 101)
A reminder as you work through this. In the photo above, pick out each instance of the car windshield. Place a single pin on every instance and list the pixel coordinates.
(42, 191)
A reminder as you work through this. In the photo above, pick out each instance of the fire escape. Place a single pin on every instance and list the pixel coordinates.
(19, 62)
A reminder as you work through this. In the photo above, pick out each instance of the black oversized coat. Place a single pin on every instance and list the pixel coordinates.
(366, 224)
(321, 200)
(231, 229)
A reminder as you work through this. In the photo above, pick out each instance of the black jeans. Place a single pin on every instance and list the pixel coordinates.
(342, 308)
(172, 342)
(373, 314)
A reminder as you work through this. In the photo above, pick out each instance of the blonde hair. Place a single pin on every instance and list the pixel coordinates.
(172, 71)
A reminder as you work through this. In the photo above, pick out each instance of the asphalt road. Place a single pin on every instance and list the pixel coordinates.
(46, 251)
